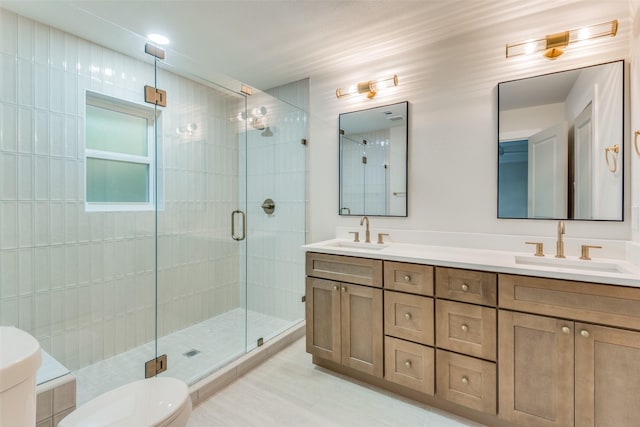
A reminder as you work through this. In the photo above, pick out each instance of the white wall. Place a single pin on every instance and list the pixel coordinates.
(452, 89)
(635, 119)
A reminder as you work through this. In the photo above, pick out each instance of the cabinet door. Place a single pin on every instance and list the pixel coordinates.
(466, 381)
(412, 278)
(607, 376)
(323, 318)
(535, 370)
(409, 317)
(476, 287)
(409, 364)
(466, 328)
(362, 328)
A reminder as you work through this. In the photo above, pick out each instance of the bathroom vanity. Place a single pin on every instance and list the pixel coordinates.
(502, 339)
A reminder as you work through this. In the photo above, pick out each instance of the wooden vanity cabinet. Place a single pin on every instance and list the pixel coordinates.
(344, 320)
(563, 370)
(408, 326)
(607, 376)
(502, 349)
(466, 338)
(536, 380)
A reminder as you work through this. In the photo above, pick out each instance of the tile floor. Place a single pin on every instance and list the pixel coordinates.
(288, 390)
(219, 340)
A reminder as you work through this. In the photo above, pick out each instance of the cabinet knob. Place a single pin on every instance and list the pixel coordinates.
(335, 287)
(584, 333)
(464, 287)
(566, 330)
(344, 289)
(407, 278)
(465, 380)
(407, 316)
(407, 363)
(464, 328)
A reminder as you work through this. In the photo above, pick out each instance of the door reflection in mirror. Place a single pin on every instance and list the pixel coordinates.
(552, 134)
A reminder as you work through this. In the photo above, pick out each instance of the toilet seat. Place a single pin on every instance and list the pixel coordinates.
(152, 402)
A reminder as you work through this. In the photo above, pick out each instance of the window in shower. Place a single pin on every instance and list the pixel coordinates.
(119, 153)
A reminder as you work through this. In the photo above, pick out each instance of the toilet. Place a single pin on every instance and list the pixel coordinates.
(152, 402)
(20, 358)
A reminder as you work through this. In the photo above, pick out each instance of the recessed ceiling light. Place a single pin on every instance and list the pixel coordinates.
(158, 38)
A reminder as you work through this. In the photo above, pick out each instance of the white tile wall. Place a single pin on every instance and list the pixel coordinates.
(365, 186)
(276, 169)
(83, 283)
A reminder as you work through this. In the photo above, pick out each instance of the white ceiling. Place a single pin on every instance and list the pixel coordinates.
(267, 43)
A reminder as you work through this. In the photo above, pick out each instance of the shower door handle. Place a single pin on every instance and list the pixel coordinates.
(233, 225)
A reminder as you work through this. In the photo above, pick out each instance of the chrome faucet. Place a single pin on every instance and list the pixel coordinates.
(559, 242)
(367, 234)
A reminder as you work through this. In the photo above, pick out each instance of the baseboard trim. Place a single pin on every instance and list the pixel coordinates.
(207, 387)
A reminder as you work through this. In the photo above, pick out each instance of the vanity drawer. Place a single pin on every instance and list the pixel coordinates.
(466, 381)
(590, 302)
(408, 317)
(362, 271)
(466, 328)
(409, 364)
(413, 278)
(476, 287)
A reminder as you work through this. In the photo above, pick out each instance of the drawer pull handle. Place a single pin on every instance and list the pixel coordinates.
(465, 380)
(464, 287)
(566, 330)
(407, 363)
(407, 278)
(584, 333)
(407, 316)
(464, 328)
(335, 287)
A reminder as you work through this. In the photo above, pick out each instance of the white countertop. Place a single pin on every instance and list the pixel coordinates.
(620, 272)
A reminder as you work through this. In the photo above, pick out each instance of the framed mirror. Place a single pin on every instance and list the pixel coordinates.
(373, 161)
(560, 145)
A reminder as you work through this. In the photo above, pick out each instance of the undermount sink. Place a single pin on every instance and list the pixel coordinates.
(358, 245)
(572, 263)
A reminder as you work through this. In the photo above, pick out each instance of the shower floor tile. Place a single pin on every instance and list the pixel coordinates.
(218, 341)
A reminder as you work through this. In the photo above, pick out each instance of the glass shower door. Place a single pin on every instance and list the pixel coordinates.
(276, 191)
(200, 264)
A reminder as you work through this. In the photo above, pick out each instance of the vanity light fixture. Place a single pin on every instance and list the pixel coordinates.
(554, 45)
(371, 88)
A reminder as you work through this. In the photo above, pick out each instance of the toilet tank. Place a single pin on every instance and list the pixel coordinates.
(20, 358)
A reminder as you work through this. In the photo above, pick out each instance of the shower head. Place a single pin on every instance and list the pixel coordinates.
(267, 132)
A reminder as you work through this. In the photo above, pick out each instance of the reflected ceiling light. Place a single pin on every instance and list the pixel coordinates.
(371, 88)
(553, 45)
(158, 38)
(187, 129)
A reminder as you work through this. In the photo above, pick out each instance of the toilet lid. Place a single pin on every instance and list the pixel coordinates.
(146, 402)
(20, 356)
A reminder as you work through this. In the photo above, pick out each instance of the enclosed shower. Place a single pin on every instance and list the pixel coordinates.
(131, 230)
